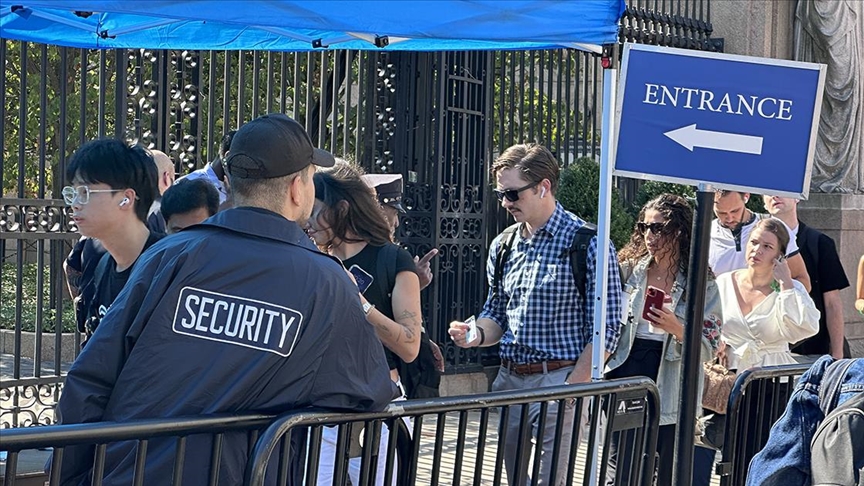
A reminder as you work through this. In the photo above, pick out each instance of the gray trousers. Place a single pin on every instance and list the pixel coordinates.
(511, 381)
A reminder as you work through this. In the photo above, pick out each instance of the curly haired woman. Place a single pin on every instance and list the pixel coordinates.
(657, 256)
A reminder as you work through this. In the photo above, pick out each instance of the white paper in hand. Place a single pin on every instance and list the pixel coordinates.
(471, 335)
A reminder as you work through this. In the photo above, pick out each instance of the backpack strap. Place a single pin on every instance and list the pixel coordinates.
(832, 380)
(84, 307)
(579, 255)
(385, 270)
(508, 236)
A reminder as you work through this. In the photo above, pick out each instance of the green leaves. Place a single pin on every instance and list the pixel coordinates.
(579, 193)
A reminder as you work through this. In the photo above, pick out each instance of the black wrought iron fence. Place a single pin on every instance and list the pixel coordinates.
(438, 118)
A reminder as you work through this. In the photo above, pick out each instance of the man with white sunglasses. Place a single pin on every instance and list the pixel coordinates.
(112, 188)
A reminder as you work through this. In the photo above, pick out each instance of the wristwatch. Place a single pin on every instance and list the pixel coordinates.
(367, 307)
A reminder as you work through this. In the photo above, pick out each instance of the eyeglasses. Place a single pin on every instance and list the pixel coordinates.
(82, 194)
(656, 228)
(512, 195)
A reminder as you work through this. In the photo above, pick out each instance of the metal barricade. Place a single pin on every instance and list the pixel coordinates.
(459, 456)
(757, 400)
(188, 435)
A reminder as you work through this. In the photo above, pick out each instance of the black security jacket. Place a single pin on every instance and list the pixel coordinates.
(238, 314)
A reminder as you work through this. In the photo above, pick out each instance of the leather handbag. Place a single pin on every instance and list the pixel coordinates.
(718, 386)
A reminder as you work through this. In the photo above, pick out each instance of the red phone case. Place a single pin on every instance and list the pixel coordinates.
(653, 298)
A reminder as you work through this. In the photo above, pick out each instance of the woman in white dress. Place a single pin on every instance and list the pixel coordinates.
(764, 311)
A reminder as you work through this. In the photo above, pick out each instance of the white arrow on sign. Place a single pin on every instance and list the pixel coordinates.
(689, 137)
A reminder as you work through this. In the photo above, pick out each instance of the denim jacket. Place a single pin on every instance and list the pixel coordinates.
(785, 459)
(669, 374)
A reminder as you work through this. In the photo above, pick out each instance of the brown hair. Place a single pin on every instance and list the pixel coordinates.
(533, 160)
(351, 205)
(724, 192)
(679, 222)
(779, 230)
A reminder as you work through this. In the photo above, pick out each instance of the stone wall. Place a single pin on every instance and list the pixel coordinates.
(761, 28)
(841, 216)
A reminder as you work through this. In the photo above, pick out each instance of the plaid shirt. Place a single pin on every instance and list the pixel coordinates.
(539, 307)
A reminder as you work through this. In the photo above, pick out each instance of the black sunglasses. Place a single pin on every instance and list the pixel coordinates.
(512, 195)
(656, 228)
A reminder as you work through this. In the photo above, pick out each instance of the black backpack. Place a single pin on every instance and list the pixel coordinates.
(578, 256)
(837, 448)
(420, 377)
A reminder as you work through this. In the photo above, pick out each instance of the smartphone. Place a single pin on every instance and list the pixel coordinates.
(364, 280)
(471, 335)
(654, 297)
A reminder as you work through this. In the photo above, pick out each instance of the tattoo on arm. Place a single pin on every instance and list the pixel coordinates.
(408, 320)
(383, 331)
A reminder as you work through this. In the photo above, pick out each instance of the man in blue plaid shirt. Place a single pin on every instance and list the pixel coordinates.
(543, 324)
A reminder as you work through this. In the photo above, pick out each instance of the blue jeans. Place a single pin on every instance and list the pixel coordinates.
(785, 459)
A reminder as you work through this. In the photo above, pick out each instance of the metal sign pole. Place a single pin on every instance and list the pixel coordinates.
(610, 89)
(691, 358)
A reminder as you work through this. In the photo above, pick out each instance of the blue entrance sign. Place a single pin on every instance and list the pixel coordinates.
(735, 122)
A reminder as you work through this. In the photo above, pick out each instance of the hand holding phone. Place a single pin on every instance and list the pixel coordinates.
(471, 335)
(654, 298)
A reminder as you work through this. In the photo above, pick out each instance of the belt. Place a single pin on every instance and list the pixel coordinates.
(534, 368)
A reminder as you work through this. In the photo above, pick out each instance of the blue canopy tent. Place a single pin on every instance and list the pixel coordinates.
(300, 25)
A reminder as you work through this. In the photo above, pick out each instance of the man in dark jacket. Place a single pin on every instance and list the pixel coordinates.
(271, 326)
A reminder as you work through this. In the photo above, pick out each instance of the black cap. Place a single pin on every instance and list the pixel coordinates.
(388, 187)
(271, 146)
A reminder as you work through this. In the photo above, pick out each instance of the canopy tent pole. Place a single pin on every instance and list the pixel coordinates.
(601, 283)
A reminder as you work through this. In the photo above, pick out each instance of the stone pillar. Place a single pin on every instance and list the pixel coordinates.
(761, 28)
(841, 216)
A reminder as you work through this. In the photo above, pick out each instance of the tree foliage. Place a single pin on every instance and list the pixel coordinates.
(579, 193)
(39, 81)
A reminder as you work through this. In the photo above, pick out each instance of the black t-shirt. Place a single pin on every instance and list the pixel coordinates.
(364, 266)
(107, 288)
(826, 274)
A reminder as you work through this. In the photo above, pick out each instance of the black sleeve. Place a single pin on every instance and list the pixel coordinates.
(404, 262)
(353, 374)
(93, 375)
(75, 258)
(831, 273)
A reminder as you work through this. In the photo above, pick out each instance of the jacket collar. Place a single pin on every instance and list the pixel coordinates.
(262, 223)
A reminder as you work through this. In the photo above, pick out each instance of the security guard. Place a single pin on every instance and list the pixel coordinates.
(238, 314)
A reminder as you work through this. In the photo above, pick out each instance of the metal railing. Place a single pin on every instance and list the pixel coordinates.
(631, 405)
(199, 448)
(191, 434)
(757, 400)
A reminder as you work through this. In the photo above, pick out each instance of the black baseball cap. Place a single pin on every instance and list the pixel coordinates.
(388, 188)
(273, 145)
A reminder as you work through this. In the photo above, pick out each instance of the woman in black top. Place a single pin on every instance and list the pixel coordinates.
(348, 223)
